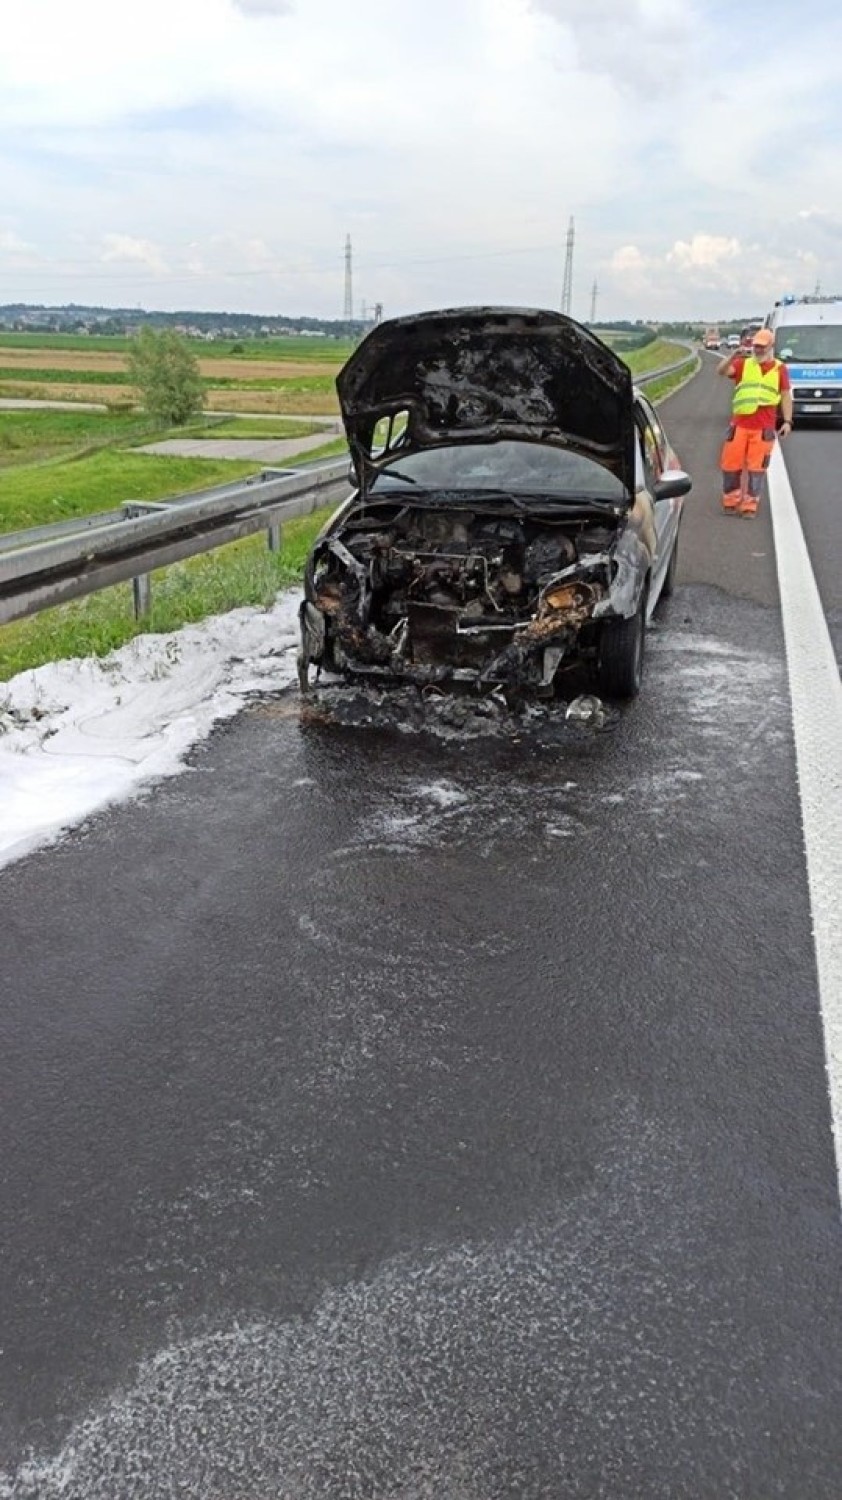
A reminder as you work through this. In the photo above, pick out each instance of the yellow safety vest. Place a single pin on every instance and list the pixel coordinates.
(756, 389)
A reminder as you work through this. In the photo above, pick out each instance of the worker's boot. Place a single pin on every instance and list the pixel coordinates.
(749, 505)
(731, 500)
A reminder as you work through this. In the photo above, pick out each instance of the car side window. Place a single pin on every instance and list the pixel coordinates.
(658, 436)
(652, 463)
(661, 440)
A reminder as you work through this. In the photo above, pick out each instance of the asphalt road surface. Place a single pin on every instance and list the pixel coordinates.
(413, 1109)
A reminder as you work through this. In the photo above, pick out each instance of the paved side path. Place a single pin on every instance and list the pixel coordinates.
(270, 450)
(14, 403)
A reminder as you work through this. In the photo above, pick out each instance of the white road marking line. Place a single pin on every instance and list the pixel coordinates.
(816, 697)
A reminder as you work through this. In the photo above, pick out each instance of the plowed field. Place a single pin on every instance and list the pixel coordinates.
(219, 369)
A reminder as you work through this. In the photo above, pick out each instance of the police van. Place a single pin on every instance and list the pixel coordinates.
(808, 338)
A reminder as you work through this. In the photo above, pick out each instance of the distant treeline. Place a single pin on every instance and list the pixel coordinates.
(76, 318)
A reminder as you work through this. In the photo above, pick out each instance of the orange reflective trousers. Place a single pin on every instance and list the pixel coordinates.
(749, 449)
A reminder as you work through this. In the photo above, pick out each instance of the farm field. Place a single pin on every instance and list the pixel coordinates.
(277, 376)
(310, 395)
(47, 364)
(283, 376)
(300, 348)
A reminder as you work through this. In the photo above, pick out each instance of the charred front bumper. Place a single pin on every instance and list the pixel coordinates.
(434, 642)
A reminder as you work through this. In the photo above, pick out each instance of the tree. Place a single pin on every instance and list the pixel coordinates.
(165, 372)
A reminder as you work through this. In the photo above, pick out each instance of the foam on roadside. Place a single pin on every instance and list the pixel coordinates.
(78, 735)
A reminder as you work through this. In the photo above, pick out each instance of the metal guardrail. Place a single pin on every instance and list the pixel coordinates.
(49, 565)
(667, 370)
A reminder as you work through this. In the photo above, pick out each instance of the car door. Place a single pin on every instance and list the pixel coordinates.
(657, 458)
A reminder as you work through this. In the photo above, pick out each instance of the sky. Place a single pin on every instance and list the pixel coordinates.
(77, 736)
(213, 154)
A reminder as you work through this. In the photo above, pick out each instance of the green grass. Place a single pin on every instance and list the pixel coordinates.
(653, 356)
(39, 495)
(242, 573)
(315, 349)
(623, 341)
(656, 390)
(28, 436)
(309, 385)
(63, 377)
(336, 448)
(18, 390)
(107, 344)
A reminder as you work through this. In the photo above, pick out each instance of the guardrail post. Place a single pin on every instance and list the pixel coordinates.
(44, 566)
(142, 595)
(275, 536)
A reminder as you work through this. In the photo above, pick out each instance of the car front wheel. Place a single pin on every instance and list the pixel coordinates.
(621, 649)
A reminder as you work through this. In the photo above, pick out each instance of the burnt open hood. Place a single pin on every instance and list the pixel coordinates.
(476, 374)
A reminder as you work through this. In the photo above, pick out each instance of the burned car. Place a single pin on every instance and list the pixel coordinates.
(516, 510)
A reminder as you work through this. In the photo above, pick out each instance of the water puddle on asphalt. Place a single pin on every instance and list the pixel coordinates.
(403, 1383)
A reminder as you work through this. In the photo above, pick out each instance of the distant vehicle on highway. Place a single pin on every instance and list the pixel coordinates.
(517, 510)
(808, 338)
(733, 341)
(712, 339)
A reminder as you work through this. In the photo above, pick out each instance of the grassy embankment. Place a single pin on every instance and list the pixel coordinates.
(56, 465)
(657, 356)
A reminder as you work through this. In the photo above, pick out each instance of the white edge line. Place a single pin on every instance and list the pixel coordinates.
(816, 699)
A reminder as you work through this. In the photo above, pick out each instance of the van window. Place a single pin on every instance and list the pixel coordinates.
(809, 343)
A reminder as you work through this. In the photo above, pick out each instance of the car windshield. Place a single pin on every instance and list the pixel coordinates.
(517, 467)
(810, 343)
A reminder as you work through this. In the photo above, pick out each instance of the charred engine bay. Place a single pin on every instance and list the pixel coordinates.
(480, 594)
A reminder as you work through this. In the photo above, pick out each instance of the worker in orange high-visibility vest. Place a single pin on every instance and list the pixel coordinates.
(762, 399)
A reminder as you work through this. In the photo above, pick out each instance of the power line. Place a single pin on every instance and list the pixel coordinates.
(193, 279)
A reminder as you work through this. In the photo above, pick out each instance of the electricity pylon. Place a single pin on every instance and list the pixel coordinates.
(567, 285)
(349, 284)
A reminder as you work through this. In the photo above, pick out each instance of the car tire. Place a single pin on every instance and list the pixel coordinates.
(621, 653)
(668, 585)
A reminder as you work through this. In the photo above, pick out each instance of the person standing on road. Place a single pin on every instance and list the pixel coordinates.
(762, 396)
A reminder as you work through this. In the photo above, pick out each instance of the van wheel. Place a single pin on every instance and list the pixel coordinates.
(621, 651)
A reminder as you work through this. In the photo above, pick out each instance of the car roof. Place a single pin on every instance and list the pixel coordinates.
(806, 312)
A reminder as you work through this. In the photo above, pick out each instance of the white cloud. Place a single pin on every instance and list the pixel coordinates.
(830, 223)
(643, 44)
(11, 244)
(123, 247)
(708, 274)
(443, 138)
(628, 259)
(704, 251)
(264, 7)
